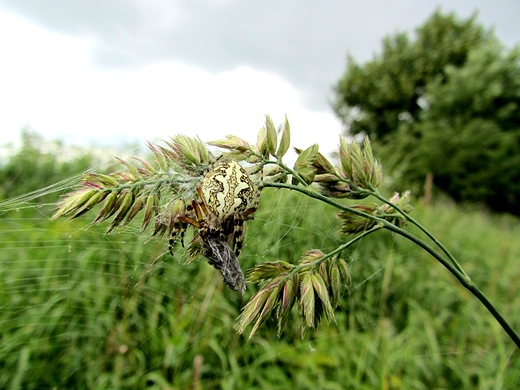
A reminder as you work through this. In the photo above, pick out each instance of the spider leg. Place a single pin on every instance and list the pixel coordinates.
(202, 205)
(248, 212)
(238, 234)
(182, 223)
(188, 220)
(179, 227)
(183, 232)
(200, 210)
(261, 184)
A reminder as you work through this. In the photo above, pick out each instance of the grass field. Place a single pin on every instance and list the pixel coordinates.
(84, 310)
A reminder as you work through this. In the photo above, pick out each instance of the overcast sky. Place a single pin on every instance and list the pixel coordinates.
(109, 71)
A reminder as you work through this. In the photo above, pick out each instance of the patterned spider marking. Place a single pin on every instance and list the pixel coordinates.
(230, 196)
(227, 190)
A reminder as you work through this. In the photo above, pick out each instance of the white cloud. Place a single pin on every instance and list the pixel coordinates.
(49, 82)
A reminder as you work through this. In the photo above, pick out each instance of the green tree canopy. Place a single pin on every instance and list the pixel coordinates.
(376, 97)
(446, 103)
(469, 136)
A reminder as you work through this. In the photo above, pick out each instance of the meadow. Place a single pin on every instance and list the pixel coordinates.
(84, 310)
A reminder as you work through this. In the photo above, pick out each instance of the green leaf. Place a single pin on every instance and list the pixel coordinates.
(307, 156)
(127, 200)
(251, 310)
(261, 142)
(232, 143)
(344, 157)
(288, 296)
(107, 209)
(323, 165)
(136, 207)
(285, 140)
(131, 168)
(321, 290)
(306, 173)
(150, 209)
(95, 198)
(268, 270)
(271, 135)
(304, 164)
(307, 300)
(345, 271)
(268, 307)
(336, 287)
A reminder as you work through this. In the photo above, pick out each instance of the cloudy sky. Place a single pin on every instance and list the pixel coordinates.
(109, 71)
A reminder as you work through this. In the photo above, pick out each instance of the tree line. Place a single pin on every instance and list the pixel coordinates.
(443, 101)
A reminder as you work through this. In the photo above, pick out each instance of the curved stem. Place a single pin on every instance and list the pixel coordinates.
(410, 219)
(292, 172)
(336, 251)
(280, 163)
(461, 276)
(464, 280)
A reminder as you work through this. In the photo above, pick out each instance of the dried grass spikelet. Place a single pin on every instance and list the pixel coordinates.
(141, 188)
(353, 223)
(315, 285)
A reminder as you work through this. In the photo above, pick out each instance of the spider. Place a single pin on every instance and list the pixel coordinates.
(227, 198)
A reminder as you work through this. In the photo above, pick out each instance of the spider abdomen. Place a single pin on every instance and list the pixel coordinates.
(227, 190)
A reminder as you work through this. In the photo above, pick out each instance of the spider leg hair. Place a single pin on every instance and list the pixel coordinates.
(201, 204)
(238, 235)
(191, 221)
(178, 227)
(182, 223)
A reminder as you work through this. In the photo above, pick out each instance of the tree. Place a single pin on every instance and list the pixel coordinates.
(446, 103)
(469, 136)
(378, 96)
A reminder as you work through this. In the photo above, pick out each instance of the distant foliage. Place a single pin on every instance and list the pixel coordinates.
(38, 163)
(469, 138)
(87, 311)
(83, 310)
(376, 97)
(446, 102)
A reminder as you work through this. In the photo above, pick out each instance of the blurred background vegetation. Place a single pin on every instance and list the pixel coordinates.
(85, 310)
(446, 102)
